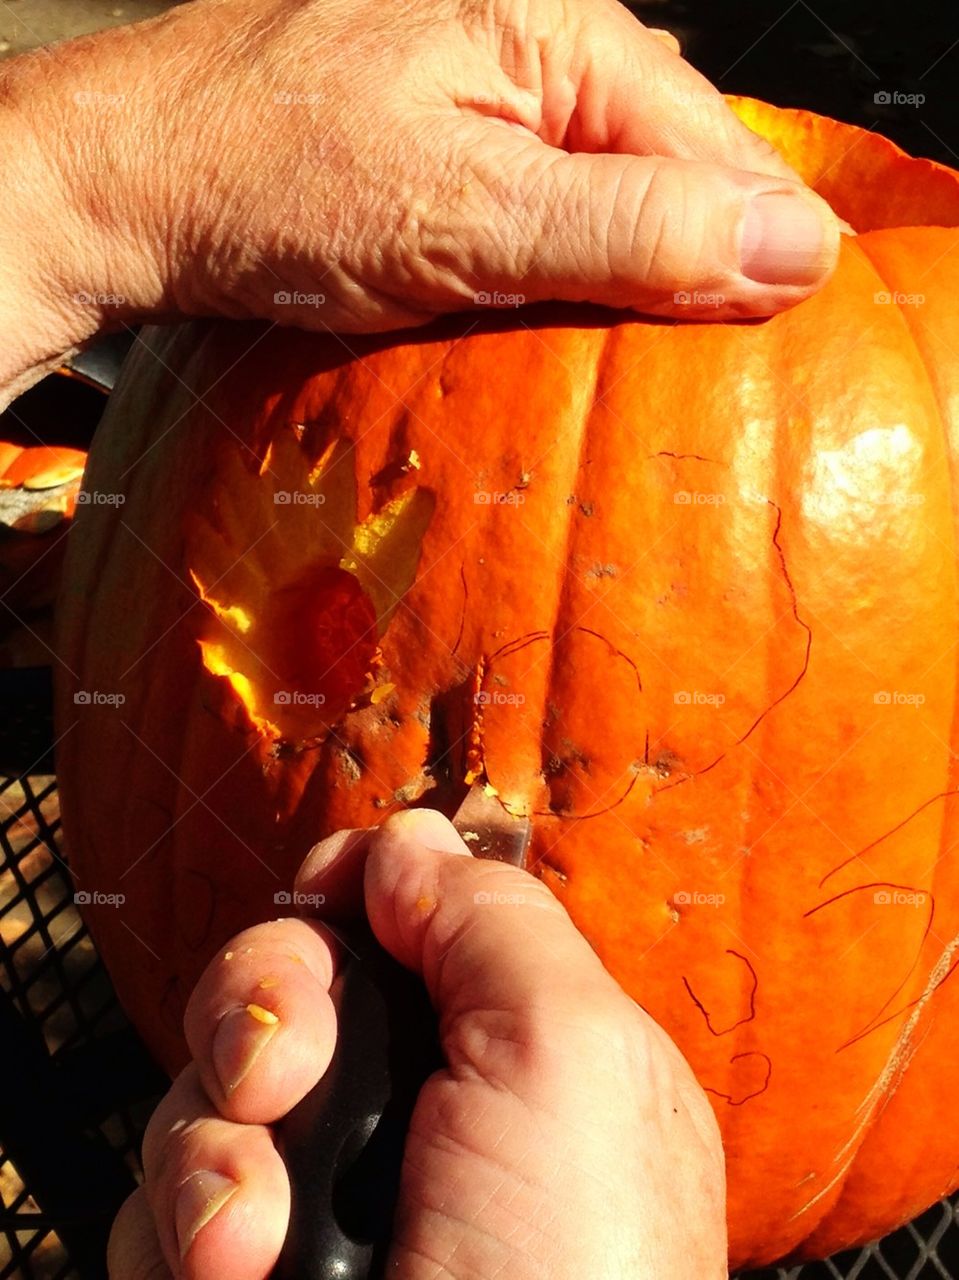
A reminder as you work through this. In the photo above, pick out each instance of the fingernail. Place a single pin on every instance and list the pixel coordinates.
(198, 1200)
(428, 827)
(786, 239)
(240, 1038)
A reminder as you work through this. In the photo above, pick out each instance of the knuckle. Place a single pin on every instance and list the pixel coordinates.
(480, 883)
(506, 1046)
(172, 1117)
(184, 1147)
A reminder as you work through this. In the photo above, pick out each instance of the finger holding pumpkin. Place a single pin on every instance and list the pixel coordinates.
(260, 1025)
(421, 159)
(659, 235)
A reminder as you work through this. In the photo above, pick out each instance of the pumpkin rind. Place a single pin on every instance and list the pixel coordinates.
(713, 574)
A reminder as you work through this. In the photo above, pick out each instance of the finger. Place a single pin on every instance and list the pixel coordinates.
(333, 870)
(259, 1024)
(504, 964)
(133, 1252)
(665, 237)
(218, 1191)
(634, 95)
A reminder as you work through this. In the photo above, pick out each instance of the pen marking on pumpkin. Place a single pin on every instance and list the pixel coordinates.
(558, 763)
(897, 1064)
(616, 653)
(918, 1000)
(940, 975)
(801, 622)
(752, 999)
(733, 1102)
(684, 457)
(697, 773)
(940, 795)
(459, 636)
(915, 1004)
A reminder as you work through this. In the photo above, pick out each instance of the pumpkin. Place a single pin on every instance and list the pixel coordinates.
(38, 491)
(685, 594)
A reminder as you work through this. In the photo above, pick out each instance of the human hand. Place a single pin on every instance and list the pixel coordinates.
(566, 1137)
(354, 167)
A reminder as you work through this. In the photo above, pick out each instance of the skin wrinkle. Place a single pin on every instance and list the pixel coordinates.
(615, 204)
(542, 1118)
(654, 252)
(473, 1224)
(578, 1173)
(531, 1032)
(564, 1111)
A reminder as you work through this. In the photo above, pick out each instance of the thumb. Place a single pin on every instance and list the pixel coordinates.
(661, 235)
(503, 962)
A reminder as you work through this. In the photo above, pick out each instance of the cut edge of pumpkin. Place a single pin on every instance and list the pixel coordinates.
(845, 163)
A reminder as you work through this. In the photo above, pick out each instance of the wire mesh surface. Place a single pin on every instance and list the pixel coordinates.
(57, 989)
(73, 1093)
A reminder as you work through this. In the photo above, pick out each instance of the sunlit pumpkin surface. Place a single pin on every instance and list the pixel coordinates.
(685, 594)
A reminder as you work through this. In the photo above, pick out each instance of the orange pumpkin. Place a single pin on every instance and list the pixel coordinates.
(38, 492)
(686, 594)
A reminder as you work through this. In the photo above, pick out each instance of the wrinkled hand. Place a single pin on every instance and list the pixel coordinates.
(356, 166)
(567, 1136)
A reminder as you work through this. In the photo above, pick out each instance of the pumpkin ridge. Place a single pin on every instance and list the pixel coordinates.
(920, 354)
(894, 1072)
(749, 901)
(562, 596)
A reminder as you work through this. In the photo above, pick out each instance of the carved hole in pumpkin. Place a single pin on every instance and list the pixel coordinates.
(322, 638)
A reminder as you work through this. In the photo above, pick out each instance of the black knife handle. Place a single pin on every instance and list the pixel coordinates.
(343, 1144)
